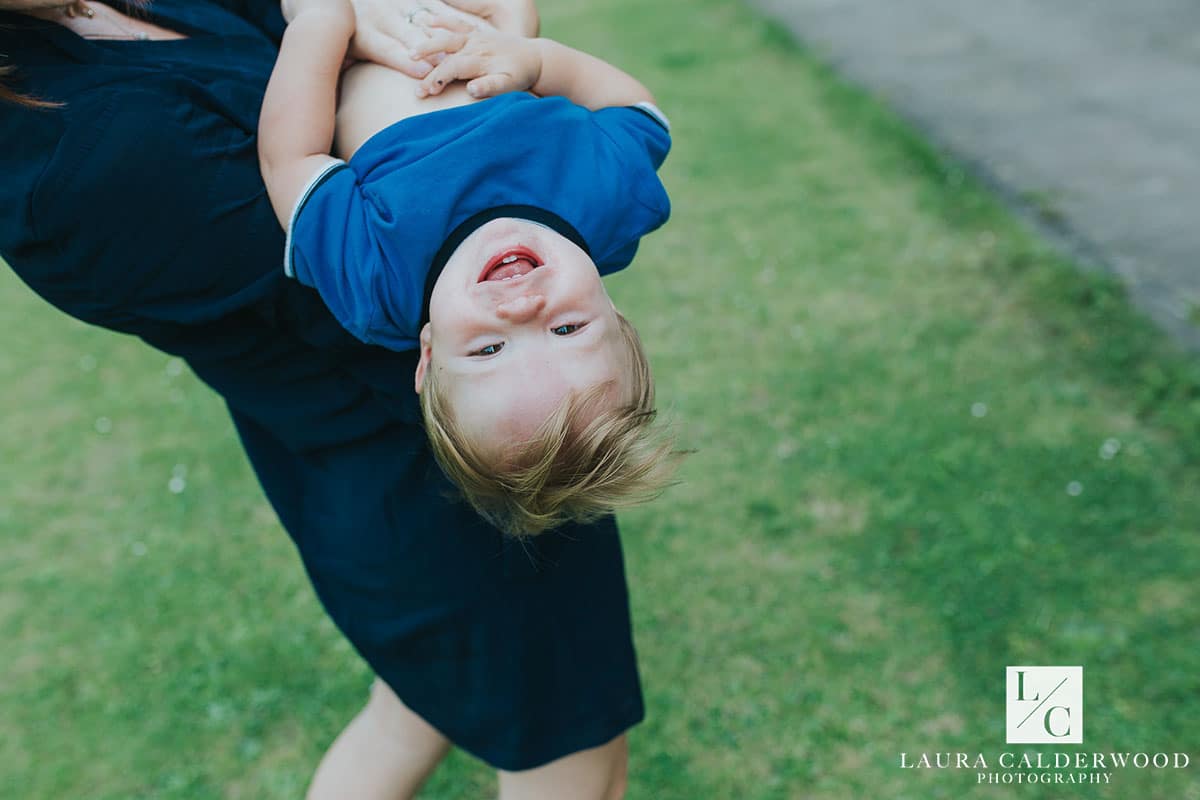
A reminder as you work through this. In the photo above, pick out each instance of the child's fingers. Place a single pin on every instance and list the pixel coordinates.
(490, 85)
(440, 41)
(456, 67)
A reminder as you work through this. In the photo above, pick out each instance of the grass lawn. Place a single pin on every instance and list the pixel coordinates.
(928, 448)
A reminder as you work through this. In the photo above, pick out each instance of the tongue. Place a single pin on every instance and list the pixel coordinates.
(522, 266)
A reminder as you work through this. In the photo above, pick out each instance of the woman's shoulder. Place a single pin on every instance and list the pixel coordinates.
(71, 119)
(29, 138)
(135, 204)
(93, 145)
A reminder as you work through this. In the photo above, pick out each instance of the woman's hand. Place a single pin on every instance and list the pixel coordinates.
(390, 32)
(492, 62)
(35, 5)
(519, 17)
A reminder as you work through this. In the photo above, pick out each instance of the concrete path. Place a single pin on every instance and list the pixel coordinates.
(1092, 108)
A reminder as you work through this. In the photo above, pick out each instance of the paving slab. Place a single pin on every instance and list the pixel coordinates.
(1084, 112)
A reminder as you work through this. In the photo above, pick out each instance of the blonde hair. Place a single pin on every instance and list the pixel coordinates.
(570, 468)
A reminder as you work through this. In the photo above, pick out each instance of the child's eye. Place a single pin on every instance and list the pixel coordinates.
(490, 350)
(565, 330)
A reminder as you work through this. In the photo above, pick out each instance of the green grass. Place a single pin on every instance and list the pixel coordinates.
(890, 385)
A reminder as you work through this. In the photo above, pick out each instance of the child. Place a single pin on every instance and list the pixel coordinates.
(478, 232)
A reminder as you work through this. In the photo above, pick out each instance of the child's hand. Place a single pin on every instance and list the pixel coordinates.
(493, 62)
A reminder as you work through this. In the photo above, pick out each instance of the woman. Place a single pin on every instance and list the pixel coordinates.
(132, 200)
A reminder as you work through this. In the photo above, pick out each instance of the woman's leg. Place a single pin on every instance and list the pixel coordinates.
(600, 773)
(385, 753)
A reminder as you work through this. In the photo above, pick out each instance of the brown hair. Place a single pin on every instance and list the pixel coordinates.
(8, 95)
(578, 465)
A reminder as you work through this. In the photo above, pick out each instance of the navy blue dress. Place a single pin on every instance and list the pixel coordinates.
(138, 206)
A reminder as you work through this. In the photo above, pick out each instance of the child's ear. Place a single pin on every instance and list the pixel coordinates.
(426, 357)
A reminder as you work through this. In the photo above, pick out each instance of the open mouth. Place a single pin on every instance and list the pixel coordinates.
(512, 263)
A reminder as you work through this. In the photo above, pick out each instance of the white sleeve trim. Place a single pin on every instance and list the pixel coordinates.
(312, 184)
(656, 112)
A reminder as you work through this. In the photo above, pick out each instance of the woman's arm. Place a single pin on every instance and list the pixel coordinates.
(295, 129)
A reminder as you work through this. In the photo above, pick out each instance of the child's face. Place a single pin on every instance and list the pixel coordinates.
(508, 351)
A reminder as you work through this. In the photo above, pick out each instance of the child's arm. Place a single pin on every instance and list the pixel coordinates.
(585, 79)
(295, 128)
(495, 63)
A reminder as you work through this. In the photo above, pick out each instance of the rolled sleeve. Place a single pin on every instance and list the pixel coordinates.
(289, 267)
(642, 128)
(637, 142)
(331, 248)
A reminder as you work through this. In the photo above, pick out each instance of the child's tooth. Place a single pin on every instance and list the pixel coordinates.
(509, 259)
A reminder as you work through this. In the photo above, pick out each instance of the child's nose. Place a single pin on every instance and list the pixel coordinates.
(521, 309)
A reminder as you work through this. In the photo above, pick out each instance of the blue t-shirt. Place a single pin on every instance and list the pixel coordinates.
(365, 234)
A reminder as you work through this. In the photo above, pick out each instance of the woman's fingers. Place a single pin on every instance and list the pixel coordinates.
(480, 8)
(440, 41)
(372, 45)
(438, 14)
(512, 16)
(456, 67)
(456, 24)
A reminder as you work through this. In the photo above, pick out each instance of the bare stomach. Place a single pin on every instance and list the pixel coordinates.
(374, 97)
